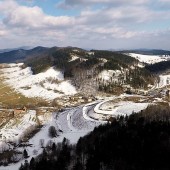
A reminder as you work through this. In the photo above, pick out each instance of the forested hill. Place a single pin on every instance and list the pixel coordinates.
(39, 58)
(79, 65)
(70, 58)
(159, 67)
(19, 55)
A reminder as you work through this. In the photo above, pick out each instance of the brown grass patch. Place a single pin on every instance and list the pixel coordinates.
(9, 98)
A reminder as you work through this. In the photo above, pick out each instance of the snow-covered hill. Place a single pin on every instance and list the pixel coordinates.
(47, 85)
(149, 59)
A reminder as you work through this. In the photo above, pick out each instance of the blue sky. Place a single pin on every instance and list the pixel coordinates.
(49, 7)
(100, 24)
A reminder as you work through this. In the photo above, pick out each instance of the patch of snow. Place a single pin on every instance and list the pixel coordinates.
(164, 80)
(64, 87)
(140, 65)
(130, 107)
(90, 53)
(103, 59)
(12, 131)
(15, 64)
(120, 108)
(108, 74)
(75, 50)
(74, 57)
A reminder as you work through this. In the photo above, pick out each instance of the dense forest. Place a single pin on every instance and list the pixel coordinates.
(138, 78)
(159, 67)
(59, 58)
(138, 142)
(114, 55)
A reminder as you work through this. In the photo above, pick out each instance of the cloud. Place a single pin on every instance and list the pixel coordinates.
(30, 17)
(102, 27)
(23, 24)
(3, 30)
(2, 33)
(163, 4)
(6, 6)
(67, 4)
(164, 1)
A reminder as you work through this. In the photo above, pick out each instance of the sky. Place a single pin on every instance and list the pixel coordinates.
(92, 24)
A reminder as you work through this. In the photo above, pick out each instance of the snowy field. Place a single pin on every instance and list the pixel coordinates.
(120, 108)
(47, 85)
(15, 128)
(149, 59)
(164, 80)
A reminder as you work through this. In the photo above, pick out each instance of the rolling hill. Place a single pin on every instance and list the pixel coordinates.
(89, 72)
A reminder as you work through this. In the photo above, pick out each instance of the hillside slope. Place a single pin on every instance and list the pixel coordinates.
(47, 85)
(95, 70)
(86, 72)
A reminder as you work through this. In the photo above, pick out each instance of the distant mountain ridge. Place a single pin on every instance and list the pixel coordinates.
(12, 49)
(20, 54)
(23, 53)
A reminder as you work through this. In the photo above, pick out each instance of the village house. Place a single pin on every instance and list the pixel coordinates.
(20, 111)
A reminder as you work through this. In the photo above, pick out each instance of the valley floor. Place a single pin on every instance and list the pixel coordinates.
(72, 123)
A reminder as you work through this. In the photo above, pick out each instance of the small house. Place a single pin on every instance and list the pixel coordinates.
(20, 111)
